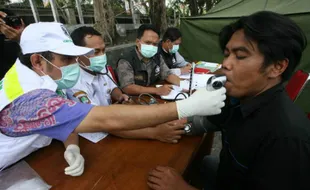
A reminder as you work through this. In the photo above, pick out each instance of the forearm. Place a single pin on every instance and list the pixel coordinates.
(173, 79)
(116, 94)
(124, 117)
(72, 139)
(145, 133)
(134, 89)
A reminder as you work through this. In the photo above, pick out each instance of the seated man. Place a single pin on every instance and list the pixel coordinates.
(142, 66)
(30, 106)
(98, 89)
(168, 49)
(265, 137)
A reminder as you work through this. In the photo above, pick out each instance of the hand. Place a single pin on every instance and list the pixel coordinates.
(186, 69)
(202, 102)
(163, 90)
(166, 178)
(123, 98)
(9, 32)
(75, 161)
(170, 132)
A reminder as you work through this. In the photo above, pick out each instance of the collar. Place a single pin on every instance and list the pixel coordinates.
(89, 78)
(260, 100)
(163, 49)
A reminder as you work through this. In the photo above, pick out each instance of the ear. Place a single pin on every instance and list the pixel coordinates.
(36, 61)
(278, 68)
(138, 45)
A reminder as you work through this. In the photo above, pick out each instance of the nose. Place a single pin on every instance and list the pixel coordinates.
(228, 63)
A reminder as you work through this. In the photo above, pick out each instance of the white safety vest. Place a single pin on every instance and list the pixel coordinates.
(18, 81)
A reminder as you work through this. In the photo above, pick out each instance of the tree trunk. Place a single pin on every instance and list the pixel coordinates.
(158, 14)
(69, 10)
(209, 4)
(193, 7)
(104, 19)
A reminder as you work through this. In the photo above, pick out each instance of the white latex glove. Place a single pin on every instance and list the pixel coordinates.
(202, 103)
(75, 161)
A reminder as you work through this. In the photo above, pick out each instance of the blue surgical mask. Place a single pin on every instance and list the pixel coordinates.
(98, 63)
(175, 48)
(148, 51)
(69, 75)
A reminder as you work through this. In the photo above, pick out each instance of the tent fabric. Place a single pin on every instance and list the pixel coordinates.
(200, 34)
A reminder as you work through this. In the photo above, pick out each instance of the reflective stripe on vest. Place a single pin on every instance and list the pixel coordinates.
(20, 80)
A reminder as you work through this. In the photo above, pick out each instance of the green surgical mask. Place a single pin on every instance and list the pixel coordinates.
(69, 75)
(98, 63)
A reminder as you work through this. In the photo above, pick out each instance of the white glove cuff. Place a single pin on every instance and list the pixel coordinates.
(74, 148)
(183, 109)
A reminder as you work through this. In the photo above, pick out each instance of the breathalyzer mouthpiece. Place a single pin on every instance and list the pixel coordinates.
(216, 82)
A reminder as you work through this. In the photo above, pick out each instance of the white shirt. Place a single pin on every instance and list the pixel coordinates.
(92, 89)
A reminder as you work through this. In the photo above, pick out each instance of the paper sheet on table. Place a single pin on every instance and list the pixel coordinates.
(94, 137)
(171, 96)
(176, 71)
(21, 177)
(198, 81)
(185, 76)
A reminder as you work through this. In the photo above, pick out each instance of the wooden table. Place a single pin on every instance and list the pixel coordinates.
(117, 164)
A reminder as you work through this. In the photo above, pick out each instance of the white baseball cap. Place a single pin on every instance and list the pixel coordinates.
(50, 36)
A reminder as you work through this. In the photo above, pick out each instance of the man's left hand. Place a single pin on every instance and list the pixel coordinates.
(166, 178)
(75, 161)
(123, 98)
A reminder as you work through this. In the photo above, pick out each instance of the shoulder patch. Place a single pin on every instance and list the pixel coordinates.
(82, 96)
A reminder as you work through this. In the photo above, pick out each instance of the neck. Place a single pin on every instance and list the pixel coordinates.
(89, 71)
(266, 87)
(165, 48)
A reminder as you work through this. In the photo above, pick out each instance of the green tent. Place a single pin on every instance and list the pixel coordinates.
(200, 34)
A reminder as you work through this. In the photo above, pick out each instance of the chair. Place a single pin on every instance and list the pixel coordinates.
(112, 73)
(296, 85)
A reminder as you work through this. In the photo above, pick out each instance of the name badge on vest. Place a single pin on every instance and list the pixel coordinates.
(157, 70)
(82, 96)
(174, 60)
(139, 77)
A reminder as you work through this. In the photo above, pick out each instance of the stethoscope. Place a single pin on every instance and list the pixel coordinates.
(106, 73)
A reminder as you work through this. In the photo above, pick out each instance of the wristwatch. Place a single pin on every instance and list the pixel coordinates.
(187, 128)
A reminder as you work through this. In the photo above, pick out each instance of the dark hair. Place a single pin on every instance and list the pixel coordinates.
(25, 59)
(277, 38)
(79, 34)
(145, 27)
(172, 34)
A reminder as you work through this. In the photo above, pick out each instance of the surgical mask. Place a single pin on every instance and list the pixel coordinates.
(69, 75)
(175, 48)
(98, 63)
(148, 51)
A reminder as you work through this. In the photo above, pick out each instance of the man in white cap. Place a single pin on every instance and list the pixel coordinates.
(33, 108)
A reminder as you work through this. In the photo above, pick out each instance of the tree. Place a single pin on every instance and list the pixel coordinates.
(104, 19)
(158, 14)
(4, 2)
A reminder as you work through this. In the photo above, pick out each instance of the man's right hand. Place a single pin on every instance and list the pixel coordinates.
(186, 69)
(9, 32)
(170, 132)
(163, 90)
(202, 102)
